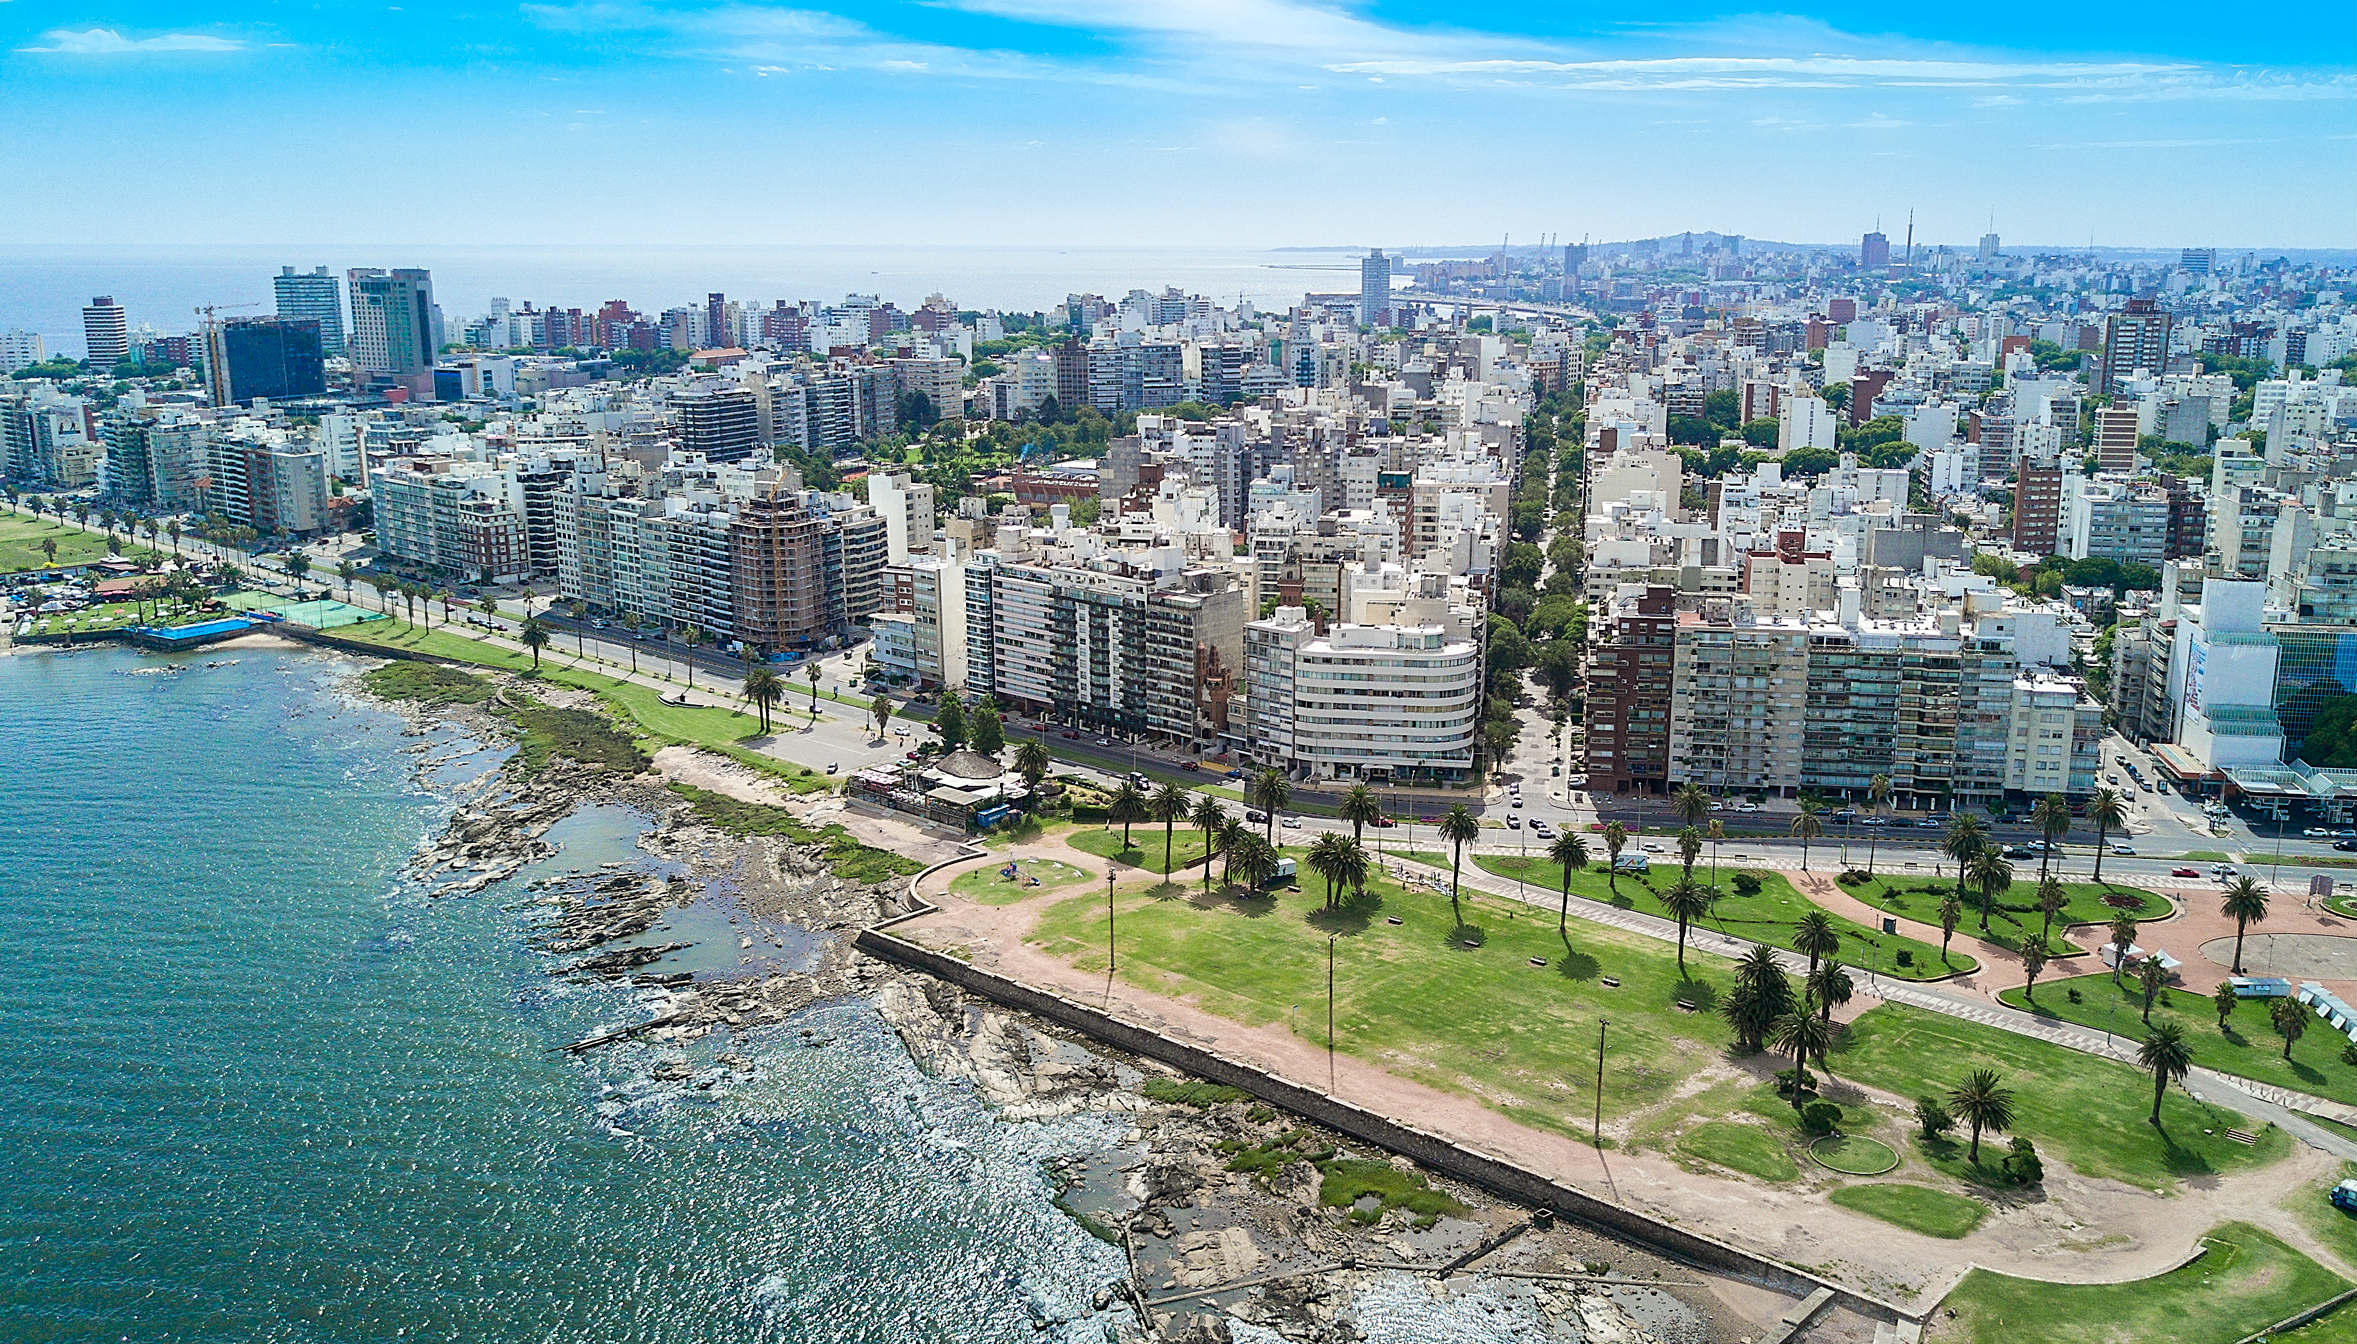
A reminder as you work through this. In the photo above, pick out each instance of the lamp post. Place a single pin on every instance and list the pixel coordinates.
(1329, 1014)
(1596, 1133)
(1108, 920)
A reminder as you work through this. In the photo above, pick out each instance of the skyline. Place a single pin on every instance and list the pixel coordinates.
(1052, 122)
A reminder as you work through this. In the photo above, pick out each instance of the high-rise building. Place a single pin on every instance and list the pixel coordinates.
(1874, 251)
(2198, 260)
(719, 420)
(250, 357)
(1988, 247)
(1375, 289)
(313, 296)
(1575, 255)
(2115, 438)
(106, 331)
(2135, 338)
(392, 322)
(2037, 510)
(19, 348)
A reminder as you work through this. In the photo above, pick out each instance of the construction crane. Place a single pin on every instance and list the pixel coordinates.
(206, 310)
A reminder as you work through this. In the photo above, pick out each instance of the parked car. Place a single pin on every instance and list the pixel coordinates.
(1070, 734)
(1747, 806)
(1190, 766)
(2317, 833)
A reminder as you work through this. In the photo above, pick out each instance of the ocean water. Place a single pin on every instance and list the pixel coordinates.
(261, 1089)
(43, 288)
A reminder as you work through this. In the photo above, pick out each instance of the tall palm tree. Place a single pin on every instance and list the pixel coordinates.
(346, 571)
(172, 530)
(1329, 858)
(1031, 762)
(764, 688)
(1717, 832)
(2033, 961)
(689, 637)
(1571, 851)
(880, 709)
(1808, 827)
(2290, 1019)
(1762, 993)
(1965, 838)
(1209, 818)
(810, 670)
(2245, 902)
(1983, 1103)
(2052, 817)
(448, 600)
(1991, 873)
(1689, 849)
(1129, 806)
(1270, 793)
(1234, 835)
(1457, 827)
(2052, 901)
(535, 638)
(1168, 804)
(1815, 935)
(2123, 937)
(1691, 804)
(1686, 902)
(1616, 839)
(1878, 801)
(2167, 1057)
(2109, 813)
(2151, 977)
(1951, 914)
(1831, 987)
(1801, 1034)
(1256, 862)
(1360, 806)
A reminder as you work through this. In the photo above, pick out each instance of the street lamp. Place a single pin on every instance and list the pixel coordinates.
(1108, 926)
(1596, 1134)
(1329, 1014)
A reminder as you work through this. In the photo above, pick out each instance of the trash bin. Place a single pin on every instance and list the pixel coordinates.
(1890, 923)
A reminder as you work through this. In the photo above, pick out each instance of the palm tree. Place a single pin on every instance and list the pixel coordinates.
(1691, 804)
(689, 637)
(2167, 1057)
(1329, 858)
(49, 549)
(2150, 977)
(2052, 899)
(2033, 961)
(1616, 839)
(2290, 1019)
(1815, 934)
(2224, 999)
(298, 565)
(1762, 993)
(810, 670)
(1830, 985)
(346, 571)
(1808, 828)
(1965, 838)
(172, 530)
(2108, 813)
(1168, 804)
(1129, 805)
(2123, 937)
(1802, 1034)
(764, 688)
(1992, 874)
(1951, 914)
(880, 709)
(2052, 817)
(1718, 832)
(1256, 862)
(535, 638)
(449, 600)
(1359, 807)
(1031, 760)
(1209, 818)
(1878, 801)
(1571, 851)
(2245, 902)
(1685, 903)
(1270, 793)
(1457, 827)
(1979, 1101)
(1689, 848)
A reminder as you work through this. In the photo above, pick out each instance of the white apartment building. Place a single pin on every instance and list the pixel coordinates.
(1399, 704)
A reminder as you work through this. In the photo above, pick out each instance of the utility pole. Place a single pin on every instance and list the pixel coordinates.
(1108, 924)
(1596, 1135)
(1329, 1014)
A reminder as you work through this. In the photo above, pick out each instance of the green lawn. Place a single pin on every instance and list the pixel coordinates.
(1853, 1155)
(2078, 1109)
(1749, 1149)
(2248, 1047)
(2015, 919)
(21, 536)
(1145, 847)
(1765, 918)
(2339, 1327)
(2244, 1282)
(987, 885)
(1918, 1208)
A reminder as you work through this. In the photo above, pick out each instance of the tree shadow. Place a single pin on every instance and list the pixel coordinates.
(1701, 993)
(1577, 965)
(1466, 934)
(1352, 916)
(1170, 891)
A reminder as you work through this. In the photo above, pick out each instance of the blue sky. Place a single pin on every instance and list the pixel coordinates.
(1234, 122)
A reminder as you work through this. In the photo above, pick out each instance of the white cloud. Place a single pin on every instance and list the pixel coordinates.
(108, 42)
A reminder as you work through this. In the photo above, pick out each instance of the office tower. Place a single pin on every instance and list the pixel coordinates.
(2135, 338)
(716, 319)
(1874, 251)
(2115, 438)
(2198, 260)
(1575, 255)
(392, 322)
(250, 357)
(1988, 247)
(313, 296)
(106, 331)
(1375, 289)
(2037, 510)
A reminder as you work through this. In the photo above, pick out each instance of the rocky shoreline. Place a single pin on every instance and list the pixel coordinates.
(1237, 1222)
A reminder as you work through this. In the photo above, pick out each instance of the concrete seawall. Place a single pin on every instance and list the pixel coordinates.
(1491, 1173)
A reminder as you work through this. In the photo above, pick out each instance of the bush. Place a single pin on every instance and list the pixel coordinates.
(1820, 1117)
(1855, 877)
(1932, 1115)
(1784, 1082)
(2074, 995)
(2349, 1053)
(1748, 884)
(2022, 1166)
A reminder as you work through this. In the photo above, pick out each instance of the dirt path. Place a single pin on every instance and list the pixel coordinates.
(2077, 1229)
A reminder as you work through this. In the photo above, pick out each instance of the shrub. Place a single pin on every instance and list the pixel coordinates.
(1820, 1117)
(1785, 1079)
(2349, 1053)
(2022, 1166)
(1855, 877)
(1932, 1115)
(1748, 884)
(2074, 995)
(1906, 958)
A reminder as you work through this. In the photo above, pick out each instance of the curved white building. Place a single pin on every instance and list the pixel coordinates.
(1362, 702)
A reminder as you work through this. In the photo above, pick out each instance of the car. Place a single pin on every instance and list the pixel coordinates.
(2317, 833)
(1876, 821)
(1747, 807)
(1513, 823)
(1576, 781)
(2184, 872)
(1070, 734)
(1255, 815)
(1289, 819)
(2345, 833)
(832, 767)
(1235, 774)
(1190, 766)
(1383, 823)
(2020, 852)
(2345, 846)
(2123, 849)
(1516, 801)
(1845, 815)
(1538, 826)
(1655, 847)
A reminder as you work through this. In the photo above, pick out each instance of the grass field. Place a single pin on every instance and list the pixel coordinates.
(1853, 1155)
(1765, 918)
(21, 537)
(1749, 1149)
(1145, 847)
(987, 886)
(1918, 1208)
(850, 859)
(2248, 1047)
(2014, 921)
(2078, 1109)
(2246, 1281)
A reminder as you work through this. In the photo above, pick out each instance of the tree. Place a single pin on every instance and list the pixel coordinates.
(1129, 805)
(2033, 961)
(2223, 998)
(1685, 902)
(950, 721)
(2052, 899)
(2290, 1019)
(2167, 1057)
(1951, 914)
(1168, 804)
(1359, 807)
(2151, 977)
(534, 637)
(1691, 804)
(1270, 793)
(2052, 817)
(1031, 762)
(1801, 1034)
(983, 732)
(2245, 902)
(1981, 1102)
(1991, 873)
(810, 670)
(689, 637)
(1457, 827)
(299, 566)
(1815, 935)
(1965, 837)
(1830, 985)
(1689, 849)
(1209, 818)
(1616, 839)
(880, 709)
(1762, 994)
(172, 530)
(2108, 813)
(2123, 937)
(1338, 860)
(1571, 851)
(1878, 801)
(1256, 862)
(763, 689)
(1808, 828)
(49, 549)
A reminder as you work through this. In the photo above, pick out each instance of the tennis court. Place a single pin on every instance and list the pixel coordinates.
(323, 613)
